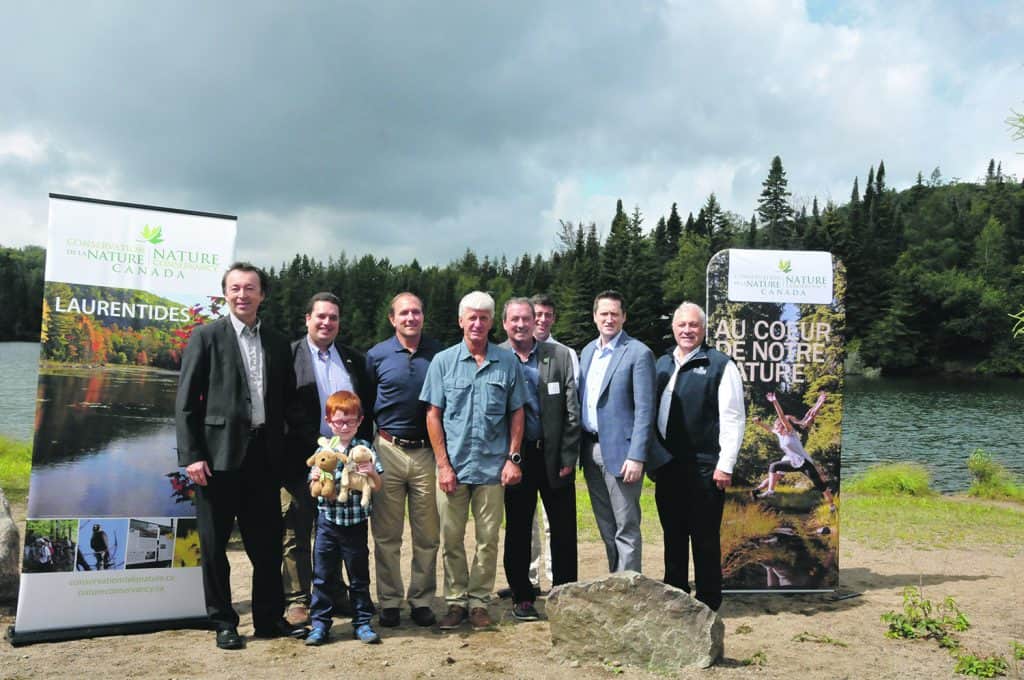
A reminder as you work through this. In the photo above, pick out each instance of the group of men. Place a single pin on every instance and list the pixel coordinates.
(475, 428)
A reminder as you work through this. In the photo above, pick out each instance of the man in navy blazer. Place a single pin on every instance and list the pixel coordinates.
(236, 380)
(618, 411)
(322, 366)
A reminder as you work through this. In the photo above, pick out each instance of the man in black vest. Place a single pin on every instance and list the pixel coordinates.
(236, 379)
(700, 422)
(323, 366)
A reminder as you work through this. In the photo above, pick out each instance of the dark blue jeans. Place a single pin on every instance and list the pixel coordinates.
(336, 544)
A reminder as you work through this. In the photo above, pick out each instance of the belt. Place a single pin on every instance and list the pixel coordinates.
(404, 443)
(533, 445)
(590, 437)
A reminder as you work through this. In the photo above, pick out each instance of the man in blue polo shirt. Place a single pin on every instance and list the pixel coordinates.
(475, 393)
(397, 368)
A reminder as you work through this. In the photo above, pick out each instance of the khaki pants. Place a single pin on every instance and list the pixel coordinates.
(464, 585)
(410, 475)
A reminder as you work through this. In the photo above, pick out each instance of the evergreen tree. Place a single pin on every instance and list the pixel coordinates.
(774, 209)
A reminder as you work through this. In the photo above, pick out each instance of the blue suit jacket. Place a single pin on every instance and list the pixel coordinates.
(627, 406)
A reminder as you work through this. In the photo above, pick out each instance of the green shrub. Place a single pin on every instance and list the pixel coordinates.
(15, 465)
(894, 479)
(991, 480)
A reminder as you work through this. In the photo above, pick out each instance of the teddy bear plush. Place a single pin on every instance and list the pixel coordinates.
(352, 479)
(326, 460)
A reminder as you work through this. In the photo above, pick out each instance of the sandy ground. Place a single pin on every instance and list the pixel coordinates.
(988, 585)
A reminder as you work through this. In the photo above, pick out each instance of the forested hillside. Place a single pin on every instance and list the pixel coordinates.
(934, 271)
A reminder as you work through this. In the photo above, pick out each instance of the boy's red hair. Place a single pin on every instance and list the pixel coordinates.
(344, 401)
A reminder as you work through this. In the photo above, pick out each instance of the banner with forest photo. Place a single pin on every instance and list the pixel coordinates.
(110, 539)
(780, 315)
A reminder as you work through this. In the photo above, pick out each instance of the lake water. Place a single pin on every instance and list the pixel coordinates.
(934, 421)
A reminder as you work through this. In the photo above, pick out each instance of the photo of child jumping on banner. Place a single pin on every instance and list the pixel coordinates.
(795, 458)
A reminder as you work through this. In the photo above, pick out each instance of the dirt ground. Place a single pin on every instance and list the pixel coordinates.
(988, 585)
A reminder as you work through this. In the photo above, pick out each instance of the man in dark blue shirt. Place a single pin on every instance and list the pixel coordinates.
(397, 368)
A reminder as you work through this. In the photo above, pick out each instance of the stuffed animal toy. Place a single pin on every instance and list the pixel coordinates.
(326, 460)
(352, 479)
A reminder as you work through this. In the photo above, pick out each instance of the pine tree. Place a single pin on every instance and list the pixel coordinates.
(774, 209)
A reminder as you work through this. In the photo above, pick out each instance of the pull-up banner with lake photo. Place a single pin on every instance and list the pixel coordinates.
(110, 541)
(780, 315)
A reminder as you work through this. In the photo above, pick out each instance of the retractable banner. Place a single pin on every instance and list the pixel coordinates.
(780, 315)
(110, 540)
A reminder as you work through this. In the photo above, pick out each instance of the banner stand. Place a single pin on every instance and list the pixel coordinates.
(124, 287)
(141, 627)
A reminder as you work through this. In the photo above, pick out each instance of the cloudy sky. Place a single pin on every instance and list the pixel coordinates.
(407, 129)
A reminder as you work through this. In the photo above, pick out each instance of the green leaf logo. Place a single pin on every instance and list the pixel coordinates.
(785, 267)
(153, 235)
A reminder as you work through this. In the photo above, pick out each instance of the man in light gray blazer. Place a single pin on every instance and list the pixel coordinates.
(618, 408)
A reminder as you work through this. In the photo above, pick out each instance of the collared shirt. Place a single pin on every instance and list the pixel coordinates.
(531, 371)
(731, 409)
(595, 377)
(572, 356)
(476, 402)
(351, 512)
(397, 376)
(252, 357)
(331, 376)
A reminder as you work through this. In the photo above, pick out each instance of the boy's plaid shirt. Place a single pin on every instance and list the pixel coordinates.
(350, 512)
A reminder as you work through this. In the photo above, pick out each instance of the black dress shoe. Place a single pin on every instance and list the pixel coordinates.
(281, 628)
(228, 638)
(390, 617)
(423, 616)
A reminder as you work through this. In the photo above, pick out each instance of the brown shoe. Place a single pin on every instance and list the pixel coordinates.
(297, 615)
(453, 619)
(479, 618)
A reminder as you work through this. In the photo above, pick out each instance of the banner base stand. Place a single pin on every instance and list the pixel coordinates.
(18, 639)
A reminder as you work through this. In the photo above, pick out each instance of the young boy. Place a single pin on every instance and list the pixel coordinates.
(341, 532)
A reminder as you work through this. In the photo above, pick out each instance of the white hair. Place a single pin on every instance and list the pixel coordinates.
(476, 300)
(692, 305)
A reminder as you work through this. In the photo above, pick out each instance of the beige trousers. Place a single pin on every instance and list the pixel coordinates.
(410, 477)
(464, 585)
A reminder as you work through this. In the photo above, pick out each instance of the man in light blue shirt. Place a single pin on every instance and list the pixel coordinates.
(475, 392)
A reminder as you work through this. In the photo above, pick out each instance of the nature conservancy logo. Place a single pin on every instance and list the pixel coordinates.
(146, 256)
(153, 235)
(780, 276)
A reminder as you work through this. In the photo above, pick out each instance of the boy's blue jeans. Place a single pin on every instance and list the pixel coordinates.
(335, 544)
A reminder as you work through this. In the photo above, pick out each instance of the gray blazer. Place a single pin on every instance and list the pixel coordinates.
(559, 410)
(627, 405)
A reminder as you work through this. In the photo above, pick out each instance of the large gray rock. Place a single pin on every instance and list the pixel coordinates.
(629, 618)
(10, 552)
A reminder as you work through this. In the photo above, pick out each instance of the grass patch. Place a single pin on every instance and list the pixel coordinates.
(15, 465)
(898, 479)
(991, 480)
(930, 522)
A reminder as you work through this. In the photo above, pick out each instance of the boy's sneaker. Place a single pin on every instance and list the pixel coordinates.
(454, 618)
(525, 611)
(366, 633)
(316, 637)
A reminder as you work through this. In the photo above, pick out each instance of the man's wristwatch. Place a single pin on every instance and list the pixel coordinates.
(515, 458)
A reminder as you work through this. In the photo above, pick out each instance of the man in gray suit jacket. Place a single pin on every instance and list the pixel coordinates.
(618, 412)
(322, 366)
(549, 453)
(236, 379)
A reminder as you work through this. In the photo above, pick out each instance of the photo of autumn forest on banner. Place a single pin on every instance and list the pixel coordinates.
(783, 533)
(105, 443)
